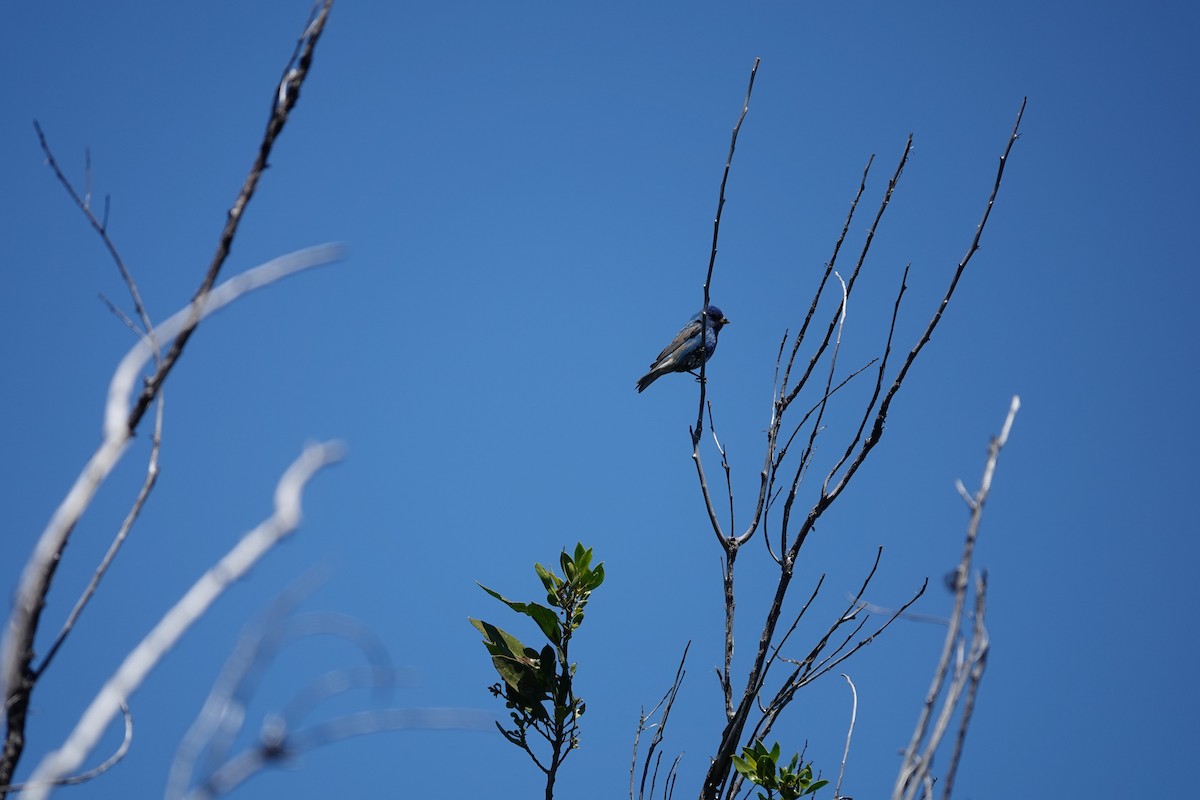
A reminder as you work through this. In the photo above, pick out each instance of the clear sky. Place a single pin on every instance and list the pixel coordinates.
(526, 192)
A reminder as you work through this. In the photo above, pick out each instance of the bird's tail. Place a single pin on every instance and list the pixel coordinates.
(647, 379)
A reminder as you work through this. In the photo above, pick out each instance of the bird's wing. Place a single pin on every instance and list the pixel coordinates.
(692, 329)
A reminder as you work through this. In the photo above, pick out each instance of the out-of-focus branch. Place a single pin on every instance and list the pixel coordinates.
(17, 651)
(94, 772)
(916, 767)
(980, 645)
(364, 723)
(145, 332)
(138, 664)
(115, 546)
(837, 791)
(17, 678)
(224, 714)
(100, 226)
(205, 765)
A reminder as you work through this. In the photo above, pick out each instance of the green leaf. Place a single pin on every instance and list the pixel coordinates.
(818, 785)
(546, 619)
(766, 770)
(595, 578)
(583, 557)
(549, 663)
(500, 642)
(551, 581)
(520, 667)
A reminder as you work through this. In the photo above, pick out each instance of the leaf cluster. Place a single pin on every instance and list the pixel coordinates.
(537, 685)
(762, 768)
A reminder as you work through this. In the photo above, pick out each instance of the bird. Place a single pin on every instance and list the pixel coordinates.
(685, 353)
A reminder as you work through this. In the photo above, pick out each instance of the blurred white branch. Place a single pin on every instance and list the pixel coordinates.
(837, 791)
(35, 579)
(174, 624)
(958, 672)
(363, 723)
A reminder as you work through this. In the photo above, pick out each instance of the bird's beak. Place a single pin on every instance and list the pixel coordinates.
(724, 320)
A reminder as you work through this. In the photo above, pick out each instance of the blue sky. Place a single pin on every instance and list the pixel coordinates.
(526, 194)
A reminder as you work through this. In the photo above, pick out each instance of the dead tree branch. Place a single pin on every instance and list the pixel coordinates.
(776, 473)
(17, 676)
(916, 770)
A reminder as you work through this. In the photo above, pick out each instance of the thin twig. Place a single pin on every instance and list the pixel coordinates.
(885, 405)
(101, 227)
(286, 95)
(884, 204)
(115, 546)
(660, 729)
(110, 762)
(146, 333)
(712, 425)
(829, 266)
(712, 259)
(837, 791)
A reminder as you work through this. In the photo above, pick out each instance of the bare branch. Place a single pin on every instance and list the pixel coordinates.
(660, 729)
(884, 203)
(100, 227)
(115, 546)
(271, 750)
(224, 714)
(712, 259)
(877, 430)
(829, 265)
(837, 791)
(95, 772)
(712, 425)
(979, 647)
(286, 95)
(223, 719)
(915, 770)
(16, 651)
(138, 664)
(145, 333)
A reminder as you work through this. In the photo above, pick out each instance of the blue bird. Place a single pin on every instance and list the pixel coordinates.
(683, 354)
